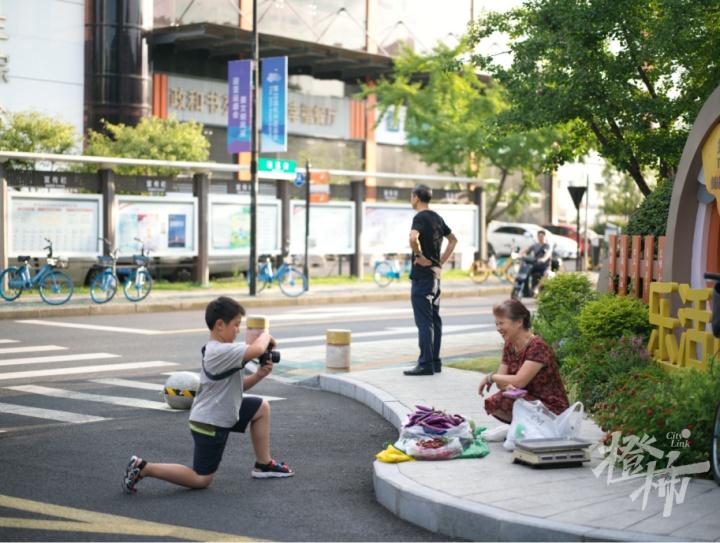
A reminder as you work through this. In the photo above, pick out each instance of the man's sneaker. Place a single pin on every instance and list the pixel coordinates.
(132, 474)
(272, 469)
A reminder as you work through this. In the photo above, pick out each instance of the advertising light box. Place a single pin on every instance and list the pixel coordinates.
(73, 222)
(167, 226)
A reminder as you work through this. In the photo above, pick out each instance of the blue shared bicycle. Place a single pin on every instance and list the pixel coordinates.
(389, 270)
(292, 281)
(55, 286)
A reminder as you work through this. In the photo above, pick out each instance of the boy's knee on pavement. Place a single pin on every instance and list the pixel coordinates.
(263, 411)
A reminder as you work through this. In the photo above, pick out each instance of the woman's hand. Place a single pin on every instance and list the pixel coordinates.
(484, 385)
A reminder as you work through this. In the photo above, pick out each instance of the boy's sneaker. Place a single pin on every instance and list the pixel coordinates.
(272, 469)
(132, 474)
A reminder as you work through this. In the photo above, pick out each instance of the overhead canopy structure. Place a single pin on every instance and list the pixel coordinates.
(221, 43)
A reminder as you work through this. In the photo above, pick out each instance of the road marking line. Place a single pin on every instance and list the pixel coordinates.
(51, 414)
(84, 369)
(9, 341)
(60, 358)
(141, 331)
(128, 383)
(33, 349)
(84, 396)
(80, 520)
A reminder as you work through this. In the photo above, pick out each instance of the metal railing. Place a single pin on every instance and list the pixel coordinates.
(204, 167)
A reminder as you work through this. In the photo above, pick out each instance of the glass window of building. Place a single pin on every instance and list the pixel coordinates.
(171, 12)
(420, 23)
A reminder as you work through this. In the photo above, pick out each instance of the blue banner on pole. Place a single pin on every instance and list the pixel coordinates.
(274, 104)
(239, 134)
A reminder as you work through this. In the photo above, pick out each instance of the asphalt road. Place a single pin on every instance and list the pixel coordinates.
(91, 399)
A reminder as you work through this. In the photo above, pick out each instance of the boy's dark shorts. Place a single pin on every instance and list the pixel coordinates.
(209, 448)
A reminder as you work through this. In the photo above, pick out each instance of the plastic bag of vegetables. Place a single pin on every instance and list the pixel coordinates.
(434, 448)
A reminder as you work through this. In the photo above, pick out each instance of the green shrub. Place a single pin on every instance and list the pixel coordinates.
(662, 405)
(650, 218)
(614, 316)
(559, 303)
(597, 368)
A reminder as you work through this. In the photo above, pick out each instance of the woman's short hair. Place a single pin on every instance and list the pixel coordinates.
(514, 310)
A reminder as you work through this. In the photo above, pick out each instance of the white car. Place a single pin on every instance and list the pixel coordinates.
(505, 237)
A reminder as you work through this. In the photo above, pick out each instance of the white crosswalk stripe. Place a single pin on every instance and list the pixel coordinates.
(79, 370)
(33, 349)
(128, 383)
(50, 414)
(84, 396)
(9, 341)
(54, 359)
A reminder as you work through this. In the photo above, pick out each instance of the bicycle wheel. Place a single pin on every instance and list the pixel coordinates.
(138, 286)
(715, 453)
(56, 288)
(383, 273)
(292, 282)
(103, 287)
(479, 272)
(11, 284)
(510, 272)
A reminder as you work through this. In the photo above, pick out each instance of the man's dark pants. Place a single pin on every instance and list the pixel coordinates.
(425, 298)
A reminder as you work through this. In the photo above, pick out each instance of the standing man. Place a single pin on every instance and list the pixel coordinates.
(426, 236)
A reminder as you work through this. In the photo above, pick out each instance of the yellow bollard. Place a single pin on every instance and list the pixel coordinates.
(256, 325)
(337, 353)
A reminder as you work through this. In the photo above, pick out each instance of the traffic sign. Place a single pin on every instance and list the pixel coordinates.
(299, 179)
(273, 165)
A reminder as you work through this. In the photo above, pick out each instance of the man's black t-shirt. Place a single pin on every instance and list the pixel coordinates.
(432, 230)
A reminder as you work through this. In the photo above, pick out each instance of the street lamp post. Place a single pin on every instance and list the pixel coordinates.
(577, 193)
(253, 155)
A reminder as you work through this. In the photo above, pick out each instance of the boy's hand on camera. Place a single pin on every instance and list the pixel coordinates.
(272, 344)
(265, 369)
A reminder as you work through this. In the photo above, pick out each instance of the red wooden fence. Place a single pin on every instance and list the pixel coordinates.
(633, 263)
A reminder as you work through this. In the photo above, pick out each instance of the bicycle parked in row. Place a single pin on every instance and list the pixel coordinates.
(139, 284)
(105, 284)
(504, 268)
(55, 286)
(292, 281)
(389, 270)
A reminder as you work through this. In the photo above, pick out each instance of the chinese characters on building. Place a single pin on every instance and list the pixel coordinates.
(4, 57)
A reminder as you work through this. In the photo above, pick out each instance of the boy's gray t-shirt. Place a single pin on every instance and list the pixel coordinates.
(218, 402)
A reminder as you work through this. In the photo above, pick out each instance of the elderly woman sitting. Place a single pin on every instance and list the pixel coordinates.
(527, 362)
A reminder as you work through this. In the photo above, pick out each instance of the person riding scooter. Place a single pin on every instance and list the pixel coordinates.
(542, 252)
(535, 263)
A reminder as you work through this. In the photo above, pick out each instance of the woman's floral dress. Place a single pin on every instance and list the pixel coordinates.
(546, 386)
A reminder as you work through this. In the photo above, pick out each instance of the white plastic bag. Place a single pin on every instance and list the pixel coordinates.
(451, 448)
(532, 420)
(462, 431)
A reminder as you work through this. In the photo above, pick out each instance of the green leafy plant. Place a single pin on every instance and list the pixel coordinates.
(613, 316)
(151, 138)
(650, 218)
(675, 409)
(597, 368)
(34, 132)
(559, 303)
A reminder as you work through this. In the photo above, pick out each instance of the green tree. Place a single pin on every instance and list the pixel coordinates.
(621, 197)
(632, 73)
(34, 132)
(151, 138)
(455, 121)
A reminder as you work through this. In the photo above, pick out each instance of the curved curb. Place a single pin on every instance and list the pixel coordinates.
(199, 302)
(448, 515)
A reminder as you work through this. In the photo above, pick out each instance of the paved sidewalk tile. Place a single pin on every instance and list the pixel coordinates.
(525, 503)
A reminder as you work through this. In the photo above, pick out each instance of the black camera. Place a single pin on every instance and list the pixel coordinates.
(269, 356)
